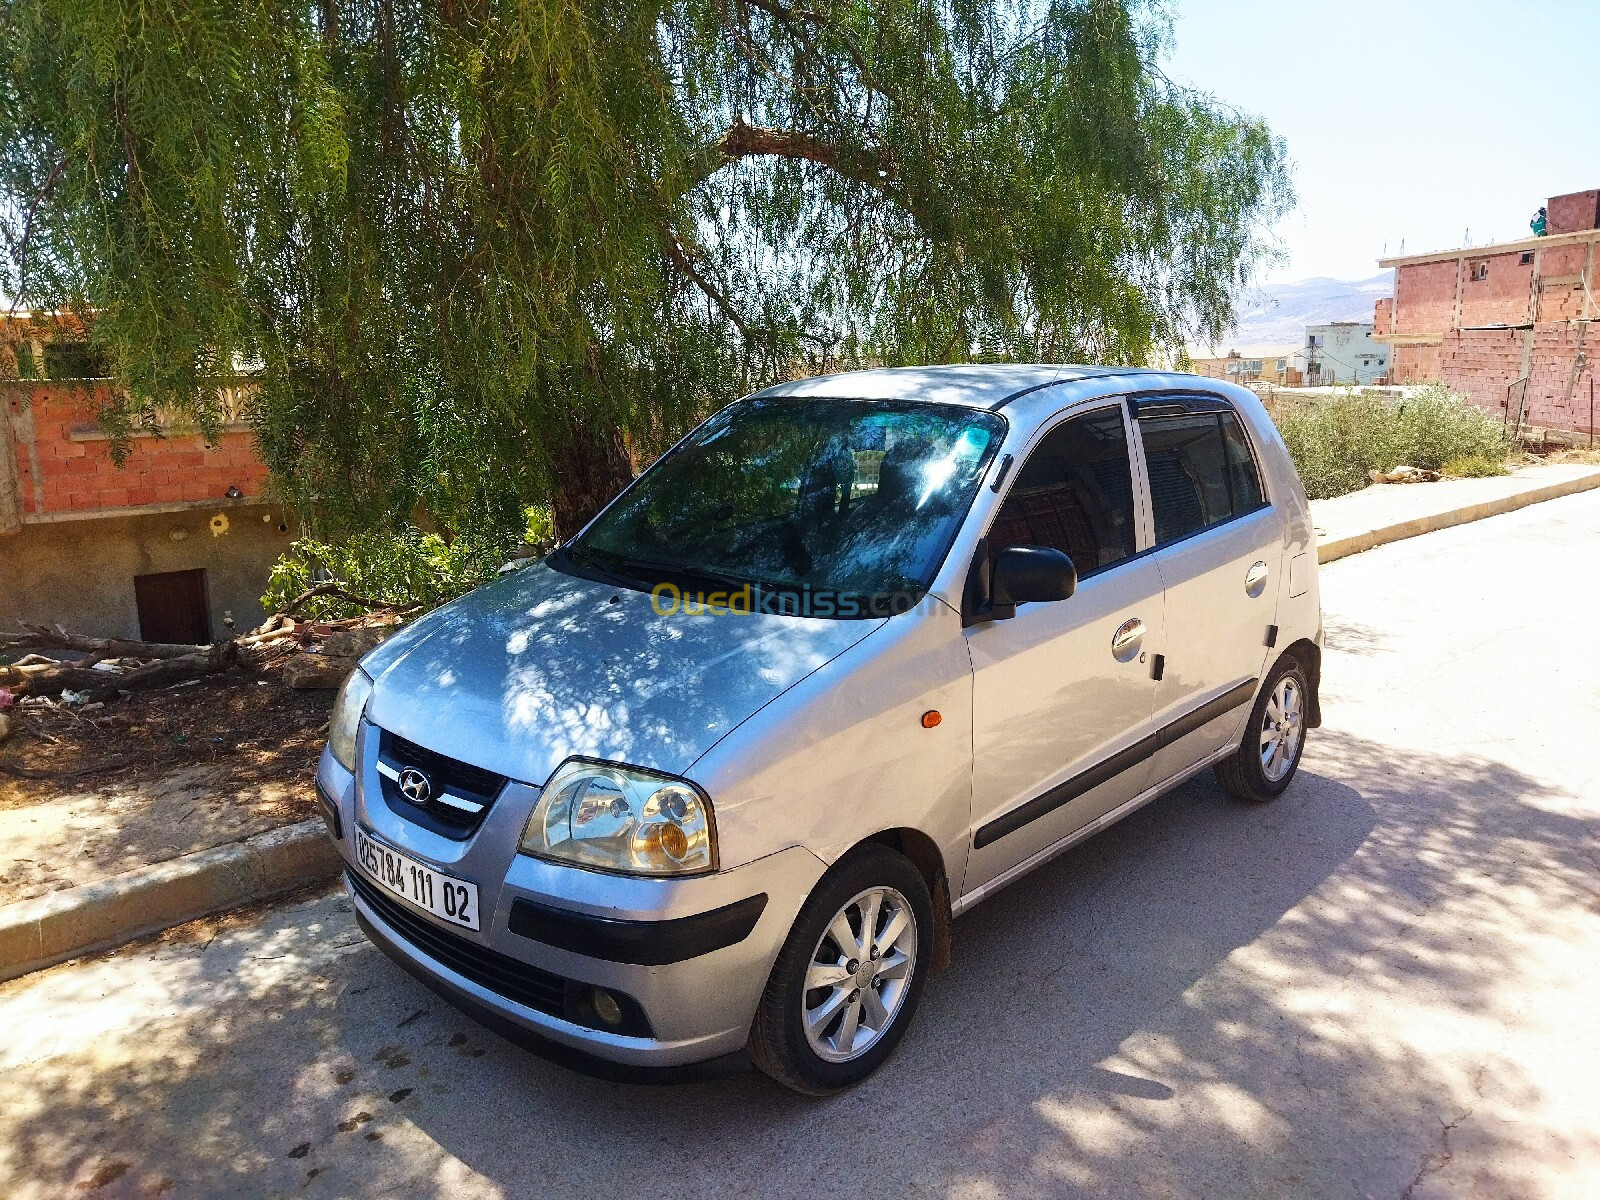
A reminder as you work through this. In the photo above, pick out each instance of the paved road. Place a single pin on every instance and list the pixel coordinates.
(1382, 985)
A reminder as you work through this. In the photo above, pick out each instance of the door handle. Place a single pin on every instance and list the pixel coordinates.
(1255, 579)
(1126, 640)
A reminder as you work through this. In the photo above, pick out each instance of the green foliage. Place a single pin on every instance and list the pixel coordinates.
(1475, 466)
(470, 248)
(1336, 440)
(404, 569)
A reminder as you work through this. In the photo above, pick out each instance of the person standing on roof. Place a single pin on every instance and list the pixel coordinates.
(1539, 223)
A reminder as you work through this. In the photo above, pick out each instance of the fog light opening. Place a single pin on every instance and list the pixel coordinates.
(606, 1007)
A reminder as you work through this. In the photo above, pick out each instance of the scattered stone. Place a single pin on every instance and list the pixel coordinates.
(353, 643)
(317, 670)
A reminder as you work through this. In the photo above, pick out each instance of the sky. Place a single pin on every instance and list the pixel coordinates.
(1427, 121)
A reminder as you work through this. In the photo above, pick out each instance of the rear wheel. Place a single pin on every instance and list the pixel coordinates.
(849, 977)
(1274, 738)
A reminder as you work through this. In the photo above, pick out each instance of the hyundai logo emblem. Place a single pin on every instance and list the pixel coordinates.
(415, 786)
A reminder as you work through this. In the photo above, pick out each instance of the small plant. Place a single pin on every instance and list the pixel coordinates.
(1474, 466)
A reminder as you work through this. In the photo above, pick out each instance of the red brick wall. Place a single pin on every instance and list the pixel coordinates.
(1383, 317)
(1482, 363)
(1501, 297)
(76, 474)
(1572, 212)
(1425, 297)
(1416, 364)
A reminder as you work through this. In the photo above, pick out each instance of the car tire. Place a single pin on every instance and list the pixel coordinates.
(796, 1038)
(1274, 738)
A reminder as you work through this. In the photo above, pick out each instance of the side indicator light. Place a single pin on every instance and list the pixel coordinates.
(931, 718)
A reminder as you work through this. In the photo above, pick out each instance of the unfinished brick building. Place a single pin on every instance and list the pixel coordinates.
(1505, 324)
(168, 546)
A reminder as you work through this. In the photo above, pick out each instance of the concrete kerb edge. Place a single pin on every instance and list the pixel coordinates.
(1368, 539)
(98, 916)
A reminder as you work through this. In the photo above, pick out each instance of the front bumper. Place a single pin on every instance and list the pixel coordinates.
(691, 955)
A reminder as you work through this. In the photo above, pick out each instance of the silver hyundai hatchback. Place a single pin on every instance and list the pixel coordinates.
(710, 782)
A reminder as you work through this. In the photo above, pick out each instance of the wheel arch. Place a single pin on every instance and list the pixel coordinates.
(1309, 655)
(923, 853)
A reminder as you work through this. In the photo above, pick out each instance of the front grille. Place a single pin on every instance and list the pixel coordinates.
(460, 793)
(501, 974)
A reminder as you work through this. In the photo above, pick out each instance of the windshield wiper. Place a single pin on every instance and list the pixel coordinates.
(718, 577)
(591, 561)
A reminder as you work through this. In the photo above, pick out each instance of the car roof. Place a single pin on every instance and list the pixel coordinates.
(976, 385)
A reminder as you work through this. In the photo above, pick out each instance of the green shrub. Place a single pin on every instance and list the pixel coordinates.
(406, 568)
(1475, 466)
(1335, 440)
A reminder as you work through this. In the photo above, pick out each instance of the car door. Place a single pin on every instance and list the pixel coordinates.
(1061, 703)
(1219, 548)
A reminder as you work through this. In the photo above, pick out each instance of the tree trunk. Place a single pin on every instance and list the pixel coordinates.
(592, 465)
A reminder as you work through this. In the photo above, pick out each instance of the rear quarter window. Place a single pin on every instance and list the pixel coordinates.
(1201, 471)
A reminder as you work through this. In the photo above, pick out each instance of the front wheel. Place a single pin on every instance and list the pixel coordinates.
(1274, 738)
(849, 977)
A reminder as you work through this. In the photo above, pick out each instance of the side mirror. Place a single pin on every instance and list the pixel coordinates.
(1030, 575)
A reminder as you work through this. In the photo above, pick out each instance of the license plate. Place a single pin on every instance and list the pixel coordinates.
(453, 900)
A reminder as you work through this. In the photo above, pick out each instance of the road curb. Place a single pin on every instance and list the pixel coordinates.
(97, 916)
(1367, 539)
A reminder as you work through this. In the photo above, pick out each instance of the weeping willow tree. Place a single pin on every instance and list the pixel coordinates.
(478, 253)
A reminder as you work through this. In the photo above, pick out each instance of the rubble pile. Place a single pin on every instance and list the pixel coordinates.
(57, 667)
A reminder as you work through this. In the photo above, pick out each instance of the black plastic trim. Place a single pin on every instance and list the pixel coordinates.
(1109, 768)
(1005, 469)
(562, 1055)
(1171, 403)
(330, 813)
(1272, 636)
(642, 943)
(517, 981)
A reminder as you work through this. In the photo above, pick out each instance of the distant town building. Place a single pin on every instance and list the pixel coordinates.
(163, 547)
(1504, 324)
(1343, 352)
(1258, 364)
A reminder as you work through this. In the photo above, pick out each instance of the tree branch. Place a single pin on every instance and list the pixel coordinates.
(743, 140)
(716, 295)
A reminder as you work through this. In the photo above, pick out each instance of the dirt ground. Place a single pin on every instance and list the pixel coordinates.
(87, 793)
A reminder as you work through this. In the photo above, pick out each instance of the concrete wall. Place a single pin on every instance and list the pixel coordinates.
(80, 572)
(1344, 353)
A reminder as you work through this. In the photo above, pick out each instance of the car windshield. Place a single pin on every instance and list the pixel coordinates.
(834, 508)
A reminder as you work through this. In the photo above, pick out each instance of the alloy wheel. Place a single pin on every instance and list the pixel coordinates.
(859, 975)
(1282, 726)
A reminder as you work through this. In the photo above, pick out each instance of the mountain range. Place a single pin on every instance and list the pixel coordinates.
(1277, 314)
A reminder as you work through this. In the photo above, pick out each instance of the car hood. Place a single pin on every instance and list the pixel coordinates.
(525, 671)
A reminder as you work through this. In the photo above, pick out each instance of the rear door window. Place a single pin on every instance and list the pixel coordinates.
(1074, 494)
(1201, 472)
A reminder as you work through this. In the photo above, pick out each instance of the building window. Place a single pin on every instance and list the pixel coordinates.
(1527, 258)
(1478, 271)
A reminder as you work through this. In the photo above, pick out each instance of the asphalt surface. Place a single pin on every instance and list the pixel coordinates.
(1383, 985)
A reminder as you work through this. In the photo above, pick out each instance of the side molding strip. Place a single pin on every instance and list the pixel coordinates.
(1109, 768)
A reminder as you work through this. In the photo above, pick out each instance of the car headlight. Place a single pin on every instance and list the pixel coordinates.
(347, 710)
(614, 818)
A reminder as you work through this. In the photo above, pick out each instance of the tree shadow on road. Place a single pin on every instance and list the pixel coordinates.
(1306, 998)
